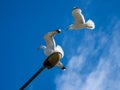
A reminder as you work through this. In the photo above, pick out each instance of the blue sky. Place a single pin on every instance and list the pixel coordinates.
(91, 57)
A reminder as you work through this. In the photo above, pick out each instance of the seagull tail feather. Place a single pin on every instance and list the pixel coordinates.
(90, 24)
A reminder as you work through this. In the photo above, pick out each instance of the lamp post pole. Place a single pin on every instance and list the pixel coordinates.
(50, 62)
(32, 78)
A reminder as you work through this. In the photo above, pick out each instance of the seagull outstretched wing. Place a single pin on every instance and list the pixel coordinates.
(49, 39)
(60, 65)
(79, 18)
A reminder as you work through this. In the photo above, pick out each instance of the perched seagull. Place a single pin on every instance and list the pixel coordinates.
(51, 46)
(80, 21)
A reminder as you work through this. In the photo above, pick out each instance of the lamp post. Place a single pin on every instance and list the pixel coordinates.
(50, 62)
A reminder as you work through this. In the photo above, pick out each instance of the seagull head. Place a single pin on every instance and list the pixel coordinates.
(70, 27)
(77, 10)
(75, 7)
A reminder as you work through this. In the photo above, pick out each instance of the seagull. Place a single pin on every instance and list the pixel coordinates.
(80, 21)
(51, 46)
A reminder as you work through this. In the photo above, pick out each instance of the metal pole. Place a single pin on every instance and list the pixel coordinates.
(32, 78)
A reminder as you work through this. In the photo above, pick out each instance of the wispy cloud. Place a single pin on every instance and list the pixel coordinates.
(96, 66)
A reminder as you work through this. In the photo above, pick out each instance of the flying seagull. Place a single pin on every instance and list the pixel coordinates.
(80, 21)
(51, 46)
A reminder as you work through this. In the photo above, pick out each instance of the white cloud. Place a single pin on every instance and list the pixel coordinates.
(100, 49)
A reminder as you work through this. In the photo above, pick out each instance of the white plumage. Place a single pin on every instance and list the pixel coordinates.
(51, 46)
(80, 21)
